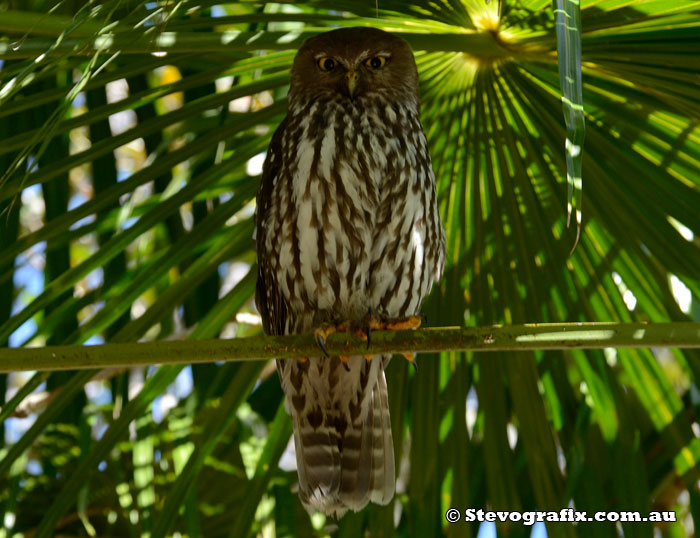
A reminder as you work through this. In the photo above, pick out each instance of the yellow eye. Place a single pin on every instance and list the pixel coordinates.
(326, 63)
(376, 63)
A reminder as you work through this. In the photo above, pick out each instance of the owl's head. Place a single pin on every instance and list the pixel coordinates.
(352, 62)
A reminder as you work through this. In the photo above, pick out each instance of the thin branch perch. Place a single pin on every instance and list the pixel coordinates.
(496, 338)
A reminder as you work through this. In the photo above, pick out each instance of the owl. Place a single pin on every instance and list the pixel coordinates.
(348, 237)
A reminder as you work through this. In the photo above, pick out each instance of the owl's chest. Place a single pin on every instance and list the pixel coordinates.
(335, 176)
(338, 170)
(341, 163)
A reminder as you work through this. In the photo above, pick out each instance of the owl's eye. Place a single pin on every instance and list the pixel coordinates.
(326, 63)
(376, 63)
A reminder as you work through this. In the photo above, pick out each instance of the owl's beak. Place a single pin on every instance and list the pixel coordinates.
(353, 78)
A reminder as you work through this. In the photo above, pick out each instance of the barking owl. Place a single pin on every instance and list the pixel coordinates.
(348, 235)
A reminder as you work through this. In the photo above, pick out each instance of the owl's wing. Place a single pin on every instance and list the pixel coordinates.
(268, 299)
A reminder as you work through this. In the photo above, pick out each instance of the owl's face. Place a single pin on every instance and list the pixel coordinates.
(352, 63)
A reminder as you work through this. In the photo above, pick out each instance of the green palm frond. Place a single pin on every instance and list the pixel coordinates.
(132, 134)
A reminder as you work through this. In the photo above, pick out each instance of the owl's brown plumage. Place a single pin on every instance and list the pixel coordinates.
(347, 221)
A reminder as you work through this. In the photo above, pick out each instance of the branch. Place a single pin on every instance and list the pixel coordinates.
(496, 338)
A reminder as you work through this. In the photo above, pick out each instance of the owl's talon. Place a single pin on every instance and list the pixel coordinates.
(302, 360)
(410, 356)
(367, 330)
(321, 341)
(373, 323)
(404, 324)
(369, 357)
(370, 323)
(361, 334)
(324, 331)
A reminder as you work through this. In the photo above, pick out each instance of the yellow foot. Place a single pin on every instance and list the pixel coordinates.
(302, 360)
(373, 323)
(411, 357)
(364, 329)
(403, 324)
(325, 330)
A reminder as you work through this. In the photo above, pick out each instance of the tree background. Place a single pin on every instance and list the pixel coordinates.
(132, 138)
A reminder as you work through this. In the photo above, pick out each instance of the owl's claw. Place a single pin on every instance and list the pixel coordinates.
(321, 335)
(370, 323)
(411, 357)
(404, 324)
(399, 324)
(375, 323)
(324, 331)
(368, 333)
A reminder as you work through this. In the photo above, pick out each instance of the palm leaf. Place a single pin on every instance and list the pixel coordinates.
(130, 130)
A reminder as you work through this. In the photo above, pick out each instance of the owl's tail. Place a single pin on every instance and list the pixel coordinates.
(345, 464)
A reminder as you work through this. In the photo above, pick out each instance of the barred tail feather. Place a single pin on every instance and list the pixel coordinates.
(343, 465)
(318, 465)
(383, 477)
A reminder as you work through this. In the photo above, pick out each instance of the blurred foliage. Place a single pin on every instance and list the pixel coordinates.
(132, 137)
